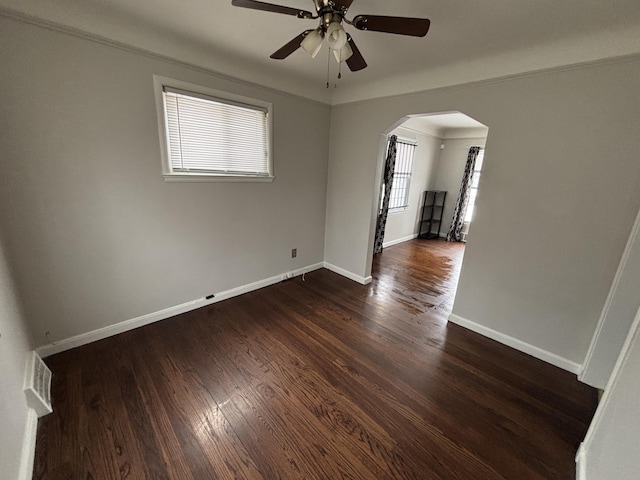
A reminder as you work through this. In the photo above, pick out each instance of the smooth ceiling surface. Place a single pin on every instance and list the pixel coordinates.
(467, 41)
(439, 123)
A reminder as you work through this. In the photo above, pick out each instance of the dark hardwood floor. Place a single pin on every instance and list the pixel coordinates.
(318, 379)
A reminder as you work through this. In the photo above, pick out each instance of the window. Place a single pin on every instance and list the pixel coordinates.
(399, 199)
(211, 135)
(473, 191)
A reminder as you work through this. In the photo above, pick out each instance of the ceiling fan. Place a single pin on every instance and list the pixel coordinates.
(332, 15)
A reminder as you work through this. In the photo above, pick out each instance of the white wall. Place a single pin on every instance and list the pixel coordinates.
(453, 159)
(406, 223)
(617, 315)
(93, 233)
(14, 347)
(560, 189)
(612, 446)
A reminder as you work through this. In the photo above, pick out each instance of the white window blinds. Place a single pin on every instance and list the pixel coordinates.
(207, 135)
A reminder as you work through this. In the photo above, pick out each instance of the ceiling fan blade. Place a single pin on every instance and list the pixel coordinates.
(342, 4)
(356, 61)
(268, 7)
(417, 27)
(290, 47)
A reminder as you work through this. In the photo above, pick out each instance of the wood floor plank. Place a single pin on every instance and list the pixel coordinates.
(288, 324)
(239, 378)
(264, 389)
(370, 428)
(201, 423)
(150, 423)
(391, 416)
(315, 378)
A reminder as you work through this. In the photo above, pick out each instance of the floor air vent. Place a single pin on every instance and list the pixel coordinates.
(38, 385)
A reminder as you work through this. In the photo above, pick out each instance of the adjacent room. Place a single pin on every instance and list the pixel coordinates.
(438, 147)
(203, 273)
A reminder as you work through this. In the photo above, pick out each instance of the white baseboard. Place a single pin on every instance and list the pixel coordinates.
(348, 274)
(95, 335)
(234, 292)
(28, 446)
(399, 240)
(581, 467)
(512, 342)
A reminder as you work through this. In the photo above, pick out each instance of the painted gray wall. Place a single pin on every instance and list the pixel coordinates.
(405, 223)
(92, 231)
(612, 446)
(617, 316)
(453, 159)
(14, 347)
(561, 186)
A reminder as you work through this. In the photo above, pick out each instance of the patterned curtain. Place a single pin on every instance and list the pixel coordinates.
(455, 231)
(389, 166)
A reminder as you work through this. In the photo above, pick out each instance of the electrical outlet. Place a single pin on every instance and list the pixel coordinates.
(294, 252)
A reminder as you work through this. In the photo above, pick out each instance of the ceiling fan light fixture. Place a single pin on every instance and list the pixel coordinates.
(343, 54)
(336, 36)
(312, 42)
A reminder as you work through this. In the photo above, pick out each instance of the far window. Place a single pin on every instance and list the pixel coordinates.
(473, 192)
(401, 175)
(211, 135)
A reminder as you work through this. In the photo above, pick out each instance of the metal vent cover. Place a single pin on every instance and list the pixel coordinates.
(38, 385)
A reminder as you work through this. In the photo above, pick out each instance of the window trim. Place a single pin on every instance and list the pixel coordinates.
(159, 82)
(403, 208)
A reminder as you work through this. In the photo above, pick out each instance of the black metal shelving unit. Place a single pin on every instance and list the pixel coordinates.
(432, 208)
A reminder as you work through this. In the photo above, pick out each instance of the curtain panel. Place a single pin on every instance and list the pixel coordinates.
(389, 167)
(455, 231)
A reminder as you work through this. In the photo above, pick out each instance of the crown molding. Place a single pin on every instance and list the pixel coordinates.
(615, 60)
(102, 40)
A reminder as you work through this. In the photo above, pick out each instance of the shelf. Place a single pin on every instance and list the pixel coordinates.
(429, 236)
(432, 210)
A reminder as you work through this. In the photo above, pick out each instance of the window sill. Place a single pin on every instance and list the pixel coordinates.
(174, 177)
(398, 210)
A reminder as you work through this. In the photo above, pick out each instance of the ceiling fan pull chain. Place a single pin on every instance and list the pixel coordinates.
(328, 64)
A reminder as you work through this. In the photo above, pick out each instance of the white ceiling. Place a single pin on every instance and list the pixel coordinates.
(468, 41)
(445, 125)
(445, 120)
